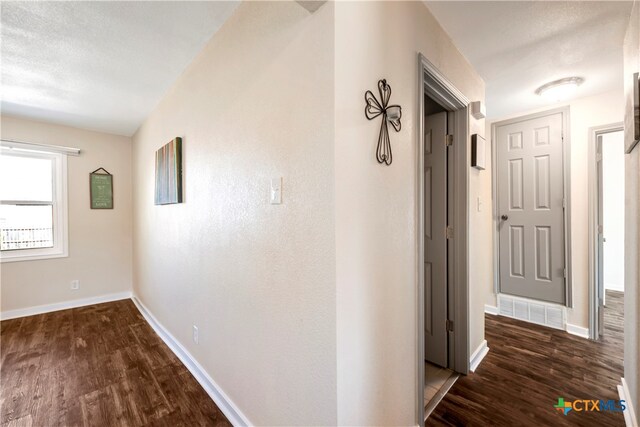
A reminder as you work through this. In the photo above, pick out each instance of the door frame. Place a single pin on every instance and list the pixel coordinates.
(566, 171)
(434, 84)
(594, 133)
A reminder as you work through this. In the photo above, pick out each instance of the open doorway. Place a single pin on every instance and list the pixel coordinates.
(438, 126)
(443, 343)
(607, 230)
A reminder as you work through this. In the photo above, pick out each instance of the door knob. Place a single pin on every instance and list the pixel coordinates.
(505, 217)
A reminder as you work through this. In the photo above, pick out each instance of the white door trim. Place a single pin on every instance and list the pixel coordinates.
(432, 82)
(566, 163)
(630, 414)
(594, 133)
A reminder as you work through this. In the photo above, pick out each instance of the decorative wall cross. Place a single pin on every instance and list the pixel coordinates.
(390, 113)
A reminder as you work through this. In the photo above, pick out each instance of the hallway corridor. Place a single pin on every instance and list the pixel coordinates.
(529, 367)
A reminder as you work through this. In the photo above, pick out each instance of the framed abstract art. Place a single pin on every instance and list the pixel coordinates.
(169, 173)
(632, 121)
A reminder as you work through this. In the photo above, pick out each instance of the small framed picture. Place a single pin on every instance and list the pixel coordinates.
(478, 152)
(101, 189)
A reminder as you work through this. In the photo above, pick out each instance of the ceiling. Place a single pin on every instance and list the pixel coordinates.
(105, 65)
(99, 65)
(517, 46)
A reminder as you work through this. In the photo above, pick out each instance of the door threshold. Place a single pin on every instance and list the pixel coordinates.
(428, 409)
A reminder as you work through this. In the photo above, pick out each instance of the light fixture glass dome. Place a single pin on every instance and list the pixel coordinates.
(561, 89)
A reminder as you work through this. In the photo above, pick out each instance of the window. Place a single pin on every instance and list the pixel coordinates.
(33, 204)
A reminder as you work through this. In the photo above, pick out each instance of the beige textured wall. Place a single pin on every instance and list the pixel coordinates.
(584, 113)
(376, 212)
(258, 279)
(632, 221)
(99, 240)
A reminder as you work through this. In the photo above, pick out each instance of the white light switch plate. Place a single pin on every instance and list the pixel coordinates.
(276, 191)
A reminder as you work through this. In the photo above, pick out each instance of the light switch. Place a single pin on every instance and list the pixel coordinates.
(276, 191)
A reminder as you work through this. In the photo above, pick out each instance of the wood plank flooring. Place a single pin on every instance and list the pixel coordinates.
(100, 365)
(528, 367)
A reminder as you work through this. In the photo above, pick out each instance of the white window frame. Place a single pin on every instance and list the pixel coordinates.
(60, 247)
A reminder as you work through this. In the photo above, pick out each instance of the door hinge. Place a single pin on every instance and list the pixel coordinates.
(599, 157)
(564, 203)
(564, 273)
(449, 232)
(448, 140)
(449, 325)
(600, 229)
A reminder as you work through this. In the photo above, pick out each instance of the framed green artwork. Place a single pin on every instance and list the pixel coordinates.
(101, 189)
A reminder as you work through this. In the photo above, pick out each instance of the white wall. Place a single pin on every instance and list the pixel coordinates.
(376, 210)
(603, 109)
(613, 210)
(258, 279)
(99, 240)
(632, 219)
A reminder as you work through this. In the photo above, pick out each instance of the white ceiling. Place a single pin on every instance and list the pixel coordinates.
(516, 46)
(99, 65)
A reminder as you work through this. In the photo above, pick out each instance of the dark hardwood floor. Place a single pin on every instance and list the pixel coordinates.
(100, 365)
(528, 367)
(103, 365)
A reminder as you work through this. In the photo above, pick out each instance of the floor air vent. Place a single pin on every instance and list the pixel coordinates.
(539, 312)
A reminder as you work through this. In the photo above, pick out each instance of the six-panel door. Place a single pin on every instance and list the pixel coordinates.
(531, 210)
(435, 239)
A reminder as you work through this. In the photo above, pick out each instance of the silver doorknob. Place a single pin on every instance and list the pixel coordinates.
(505, 217)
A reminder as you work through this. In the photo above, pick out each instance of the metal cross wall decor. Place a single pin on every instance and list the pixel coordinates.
(390, 113)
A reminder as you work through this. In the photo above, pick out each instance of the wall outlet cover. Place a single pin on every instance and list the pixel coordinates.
(196, 334)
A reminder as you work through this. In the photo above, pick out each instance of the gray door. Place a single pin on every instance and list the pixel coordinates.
(531, 212)
(435, 239)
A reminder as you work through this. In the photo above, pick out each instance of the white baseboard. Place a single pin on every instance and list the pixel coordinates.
(230, 410)
(577, 330)
(629, 414)
(478, 355)
(490, 309)
(40, 309)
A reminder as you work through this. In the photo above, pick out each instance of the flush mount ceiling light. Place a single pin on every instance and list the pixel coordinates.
(558, 90)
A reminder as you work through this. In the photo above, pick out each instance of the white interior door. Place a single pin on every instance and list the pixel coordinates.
(613, 167)
(531, 208)
(435, 239)
(609, 219)
(600, 242)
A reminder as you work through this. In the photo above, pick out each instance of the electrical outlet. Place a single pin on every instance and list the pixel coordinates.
(75, 285)
(196, 337)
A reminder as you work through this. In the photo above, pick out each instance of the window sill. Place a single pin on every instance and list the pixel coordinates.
(34, 257)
